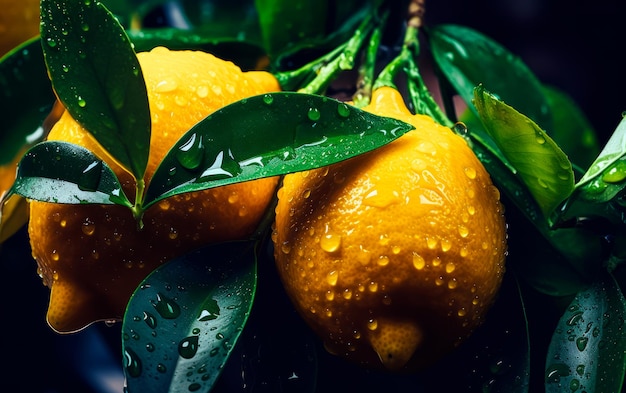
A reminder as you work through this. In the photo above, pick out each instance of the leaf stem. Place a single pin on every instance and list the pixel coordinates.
(267, 220)
(290, 80)
(421, 97)
(137, 208)
(406, 61)
(363, 94)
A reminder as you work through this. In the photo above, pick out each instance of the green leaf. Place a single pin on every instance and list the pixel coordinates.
(184, 319)
(572, 130)
(27, 96)
(282, 20)
(246, 55)
(348, 16)
(613, 151)
(97, 77)
(540, 163)
(560, 262)
(588, 348)
(62, 172)
(268, 135)
(467, 58)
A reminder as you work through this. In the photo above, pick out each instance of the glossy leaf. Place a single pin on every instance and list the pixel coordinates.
(572, 130)
(184, 319)
(27, 96)
(613, 151)
(540, 163)
(62, 172)
(97, 76)
(268, 135)
(468, 58)
(588, 348)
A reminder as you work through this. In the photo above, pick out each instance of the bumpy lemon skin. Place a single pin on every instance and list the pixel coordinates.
(394, 257)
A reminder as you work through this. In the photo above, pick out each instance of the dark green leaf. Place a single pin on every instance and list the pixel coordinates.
(283, 20)
(588, 347)
(572, 130)
(559, 263)
(348, 14)
(268, 135)
(245, 54)
(62, 172)
(540, 163)
(235, 19)
(27, 96)
(183, 320)
(467, 58)
(97, 76)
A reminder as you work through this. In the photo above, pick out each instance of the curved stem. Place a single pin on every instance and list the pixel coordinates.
(406, 61)
(289, 80)
(421, 97)
(345, 60)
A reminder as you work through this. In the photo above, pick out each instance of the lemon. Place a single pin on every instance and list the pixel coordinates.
(393, 257)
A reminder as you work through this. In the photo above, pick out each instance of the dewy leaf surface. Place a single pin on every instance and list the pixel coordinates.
(97, 77)
(184, 319)
(542, 165)
(606, 177)
(588, 347)
(62, 172)
(268, 135)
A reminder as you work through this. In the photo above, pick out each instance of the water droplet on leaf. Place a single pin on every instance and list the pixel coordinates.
(89, 179)
(132, 363)
(343, 110)
(191, 152)
(188, 347)
(166, 307)
(314, 114)
(210, 310)
(150, 320)
(555, 371)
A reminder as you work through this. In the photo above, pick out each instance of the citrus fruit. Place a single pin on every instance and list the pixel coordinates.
(19, 21)
(393, 257)
(93, 256)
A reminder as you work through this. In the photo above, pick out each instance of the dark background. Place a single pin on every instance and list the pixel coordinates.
(576, 47)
